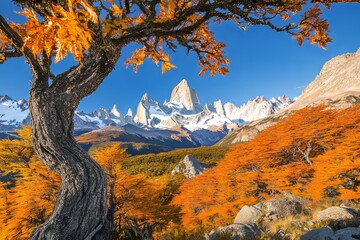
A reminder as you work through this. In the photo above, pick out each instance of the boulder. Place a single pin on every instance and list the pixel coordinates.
(248, 214)
(336, 213)
(287, 205)
(350, 233)
(190, 167)
(235, 232)
(324, 233)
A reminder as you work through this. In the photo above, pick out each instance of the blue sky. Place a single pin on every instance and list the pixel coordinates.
(262, 62)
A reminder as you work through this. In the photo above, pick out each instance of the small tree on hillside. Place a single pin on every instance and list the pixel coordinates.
(95, 32)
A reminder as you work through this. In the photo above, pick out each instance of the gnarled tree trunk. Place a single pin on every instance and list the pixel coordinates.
(81, 208)
(80, 211)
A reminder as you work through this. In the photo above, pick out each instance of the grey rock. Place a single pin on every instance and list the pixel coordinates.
(190, 167)
(248, 214)
(324, 233)
(350, 233)
(235, 232)
(336, 213)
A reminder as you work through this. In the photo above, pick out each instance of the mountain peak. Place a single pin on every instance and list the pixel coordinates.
(129, 112)
(259, 99)
(219, 107)
(145, 97)
(5, 98)
(115, 111)
(182, 94)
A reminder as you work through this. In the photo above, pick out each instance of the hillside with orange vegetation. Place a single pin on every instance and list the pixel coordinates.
(314, 153)
(28, 191)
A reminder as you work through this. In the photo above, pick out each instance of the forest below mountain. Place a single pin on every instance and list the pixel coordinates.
(313, 153)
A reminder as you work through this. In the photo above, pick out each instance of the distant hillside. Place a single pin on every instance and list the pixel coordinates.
(314, 153)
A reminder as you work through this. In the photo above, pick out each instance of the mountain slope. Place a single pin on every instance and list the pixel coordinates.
(337, 86)
(338, 78)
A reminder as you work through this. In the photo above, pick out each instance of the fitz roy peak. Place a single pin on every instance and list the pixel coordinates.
(182, 95)
(182, 110)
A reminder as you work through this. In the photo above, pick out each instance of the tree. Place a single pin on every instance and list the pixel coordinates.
(95, 32)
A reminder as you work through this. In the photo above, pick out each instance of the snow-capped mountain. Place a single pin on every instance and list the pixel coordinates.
(12, 113)
(101, 118)
(182, 110)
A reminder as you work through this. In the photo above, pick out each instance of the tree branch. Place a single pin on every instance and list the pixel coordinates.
(40, 76)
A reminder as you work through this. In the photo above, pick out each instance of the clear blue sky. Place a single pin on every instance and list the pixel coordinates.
(263, 62)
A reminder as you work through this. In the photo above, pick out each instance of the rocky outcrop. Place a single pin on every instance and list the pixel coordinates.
(235, 232)
(190, 167)
(248, 131)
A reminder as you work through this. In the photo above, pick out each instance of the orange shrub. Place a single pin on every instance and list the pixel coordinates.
(275, 161)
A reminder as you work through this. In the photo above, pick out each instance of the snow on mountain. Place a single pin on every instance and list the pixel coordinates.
(183, 110)
(12, 113)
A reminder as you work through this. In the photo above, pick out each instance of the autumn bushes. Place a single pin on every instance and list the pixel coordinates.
(28, 189)
(137, 206)
(313, 153)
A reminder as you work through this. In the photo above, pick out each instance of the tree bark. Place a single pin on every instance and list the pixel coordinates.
(80, 210)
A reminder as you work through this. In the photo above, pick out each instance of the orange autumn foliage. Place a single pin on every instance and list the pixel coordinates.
(28, 192)
(28, 189)
(57, 28)
(136, 203)
(274, 161)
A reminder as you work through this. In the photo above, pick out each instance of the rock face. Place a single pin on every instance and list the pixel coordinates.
(142, 113)
(274, 209)
(294, 215)
(339, 77)
(350, 233)
(182, 94)
(235, 232)
(190, 167)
